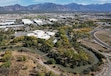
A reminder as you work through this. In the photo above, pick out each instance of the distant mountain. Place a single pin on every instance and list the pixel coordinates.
(51, 7)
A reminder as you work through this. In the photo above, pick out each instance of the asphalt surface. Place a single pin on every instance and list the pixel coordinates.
(107, 69)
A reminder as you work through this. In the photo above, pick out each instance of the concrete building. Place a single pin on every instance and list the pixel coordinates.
(41, 34)
(53, 20)
(11, 26)
(38, 21)
(8, 22)
(27, 21)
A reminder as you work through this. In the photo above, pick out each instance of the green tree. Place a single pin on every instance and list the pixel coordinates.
(7, 56)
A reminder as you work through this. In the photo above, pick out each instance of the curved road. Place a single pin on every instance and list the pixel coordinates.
(107, 71)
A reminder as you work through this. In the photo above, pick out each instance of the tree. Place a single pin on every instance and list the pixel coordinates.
(58, 44)
(83, 55)
(7, 56)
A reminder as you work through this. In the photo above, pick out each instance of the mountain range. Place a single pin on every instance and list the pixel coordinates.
(52, 7)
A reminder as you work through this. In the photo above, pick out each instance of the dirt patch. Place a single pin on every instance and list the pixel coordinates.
(104, 36)
(92, 44)
(20, 68)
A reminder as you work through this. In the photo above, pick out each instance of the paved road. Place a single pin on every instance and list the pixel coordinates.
(107, 70)
(100, 42)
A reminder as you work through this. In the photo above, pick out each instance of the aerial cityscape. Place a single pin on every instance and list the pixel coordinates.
(55, 38)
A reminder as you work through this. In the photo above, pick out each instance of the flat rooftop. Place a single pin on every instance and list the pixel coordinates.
(27, 21)
(41, 34)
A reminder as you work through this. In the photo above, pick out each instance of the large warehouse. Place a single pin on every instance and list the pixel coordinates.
(41, 34)
(38, 21)
(27, 21)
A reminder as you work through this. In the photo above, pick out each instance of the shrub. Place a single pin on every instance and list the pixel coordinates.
(22, 58)
(6, 64)
(7, 56)
(51, 61)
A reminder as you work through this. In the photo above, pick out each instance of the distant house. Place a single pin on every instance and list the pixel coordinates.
(27, 21)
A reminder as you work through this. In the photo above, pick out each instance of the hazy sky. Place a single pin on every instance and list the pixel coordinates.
(28, 2)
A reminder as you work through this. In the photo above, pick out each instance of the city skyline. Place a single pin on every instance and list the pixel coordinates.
(29, 2)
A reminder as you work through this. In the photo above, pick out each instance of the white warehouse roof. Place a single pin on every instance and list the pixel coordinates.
(52, 19)
(39, 22)
(27, 21)
(8, 26)
(7, 23)
(10, 20)
(41, 34)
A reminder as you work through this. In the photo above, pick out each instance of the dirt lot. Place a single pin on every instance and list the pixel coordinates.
(92, 44)
(104, 36)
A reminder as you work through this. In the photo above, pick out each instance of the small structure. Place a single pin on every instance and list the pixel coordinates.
(54, 41)
(27, 21)
(53, 20)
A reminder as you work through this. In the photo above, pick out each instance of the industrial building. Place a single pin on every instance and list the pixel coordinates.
(11, 26)
(41, 34)
(38, 21)
(8, 22)
(27, 21)
(53, 20)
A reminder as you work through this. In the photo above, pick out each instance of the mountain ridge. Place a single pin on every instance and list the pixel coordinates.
(58, 7)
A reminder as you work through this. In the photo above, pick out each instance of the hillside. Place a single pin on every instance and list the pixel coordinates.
(52, 7)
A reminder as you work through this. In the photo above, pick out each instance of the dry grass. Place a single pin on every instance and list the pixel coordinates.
(104, 36)
(1, 53)
(92, 45)
(27, 67)
(21, 68)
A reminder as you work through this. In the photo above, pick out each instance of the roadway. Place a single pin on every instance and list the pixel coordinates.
(107, 69)
(103, 44)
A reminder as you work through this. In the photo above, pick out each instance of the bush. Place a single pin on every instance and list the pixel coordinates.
(51, 61)
(6, 64)
(40, 74)
(87, 71)
(7, 56)
(22, 58)
(51, 74)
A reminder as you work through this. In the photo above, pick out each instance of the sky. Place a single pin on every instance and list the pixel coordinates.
(29, 2)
